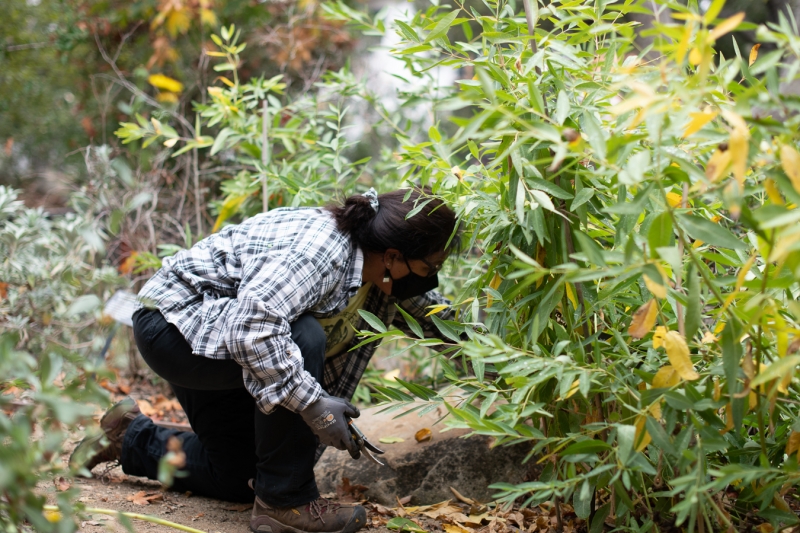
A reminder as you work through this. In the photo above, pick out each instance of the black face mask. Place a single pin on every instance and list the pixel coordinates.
(412, 284)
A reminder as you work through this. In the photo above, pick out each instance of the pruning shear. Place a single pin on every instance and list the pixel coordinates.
(366, 447)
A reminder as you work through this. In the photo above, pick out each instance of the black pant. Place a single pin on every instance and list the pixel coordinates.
(233, 440)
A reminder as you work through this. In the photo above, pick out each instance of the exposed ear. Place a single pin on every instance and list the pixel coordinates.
(390, 256)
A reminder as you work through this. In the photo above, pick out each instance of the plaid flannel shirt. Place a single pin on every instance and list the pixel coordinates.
(235, 293)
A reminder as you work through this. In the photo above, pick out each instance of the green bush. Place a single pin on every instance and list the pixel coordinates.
(638, 275)
(51, 332)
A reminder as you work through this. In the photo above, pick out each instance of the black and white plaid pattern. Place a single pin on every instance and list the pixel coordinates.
(235, 293)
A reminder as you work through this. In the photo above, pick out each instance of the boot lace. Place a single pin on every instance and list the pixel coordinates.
(319, 507)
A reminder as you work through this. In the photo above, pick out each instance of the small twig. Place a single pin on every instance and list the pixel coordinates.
(26, 46)
(559, 520)
(531, 24)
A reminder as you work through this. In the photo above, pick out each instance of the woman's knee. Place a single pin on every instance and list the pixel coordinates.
(309, 336)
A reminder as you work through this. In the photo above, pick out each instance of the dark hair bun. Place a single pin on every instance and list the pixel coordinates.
(432, 229)
(356, 214)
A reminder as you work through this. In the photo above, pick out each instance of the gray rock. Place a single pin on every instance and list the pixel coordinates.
(425, 470)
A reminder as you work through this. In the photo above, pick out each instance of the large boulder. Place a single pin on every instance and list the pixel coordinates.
(423, 470)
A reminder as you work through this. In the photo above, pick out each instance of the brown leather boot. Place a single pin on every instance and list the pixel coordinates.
(92, 451)
(319, 516)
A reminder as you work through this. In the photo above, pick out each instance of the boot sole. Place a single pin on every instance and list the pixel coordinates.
(356, 522)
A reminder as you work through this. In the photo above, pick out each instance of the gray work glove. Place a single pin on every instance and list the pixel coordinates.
(327, 419)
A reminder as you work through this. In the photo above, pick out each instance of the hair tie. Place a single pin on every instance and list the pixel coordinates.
(372, 194)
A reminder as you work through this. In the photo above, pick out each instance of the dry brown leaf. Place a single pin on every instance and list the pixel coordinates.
(643, 320)
(793, 444)
(138, 498)
(238, 508)
(460, 497)
(404, 500)
(423, 435)
(3, 290)
(146, 408)
(62, 483)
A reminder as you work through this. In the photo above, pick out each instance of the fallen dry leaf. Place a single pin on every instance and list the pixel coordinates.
(146, 408)
(350, 492)
(423, 435)
(138, 498)
(452, 528)
(460, 497)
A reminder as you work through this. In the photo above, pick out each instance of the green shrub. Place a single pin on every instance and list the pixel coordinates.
(639, 266)
(51, 285)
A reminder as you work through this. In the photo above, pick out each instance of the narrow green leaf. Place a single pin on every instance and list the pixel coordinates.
(372, 320)
(694, 306)
(710, 232)
(442, 26)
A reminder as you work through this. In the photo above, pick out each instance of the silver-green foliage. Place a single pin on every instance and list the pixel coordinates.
(50, 299)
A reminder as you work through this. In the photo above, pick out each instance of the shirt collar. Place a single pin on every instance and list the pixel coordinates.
(352, 277)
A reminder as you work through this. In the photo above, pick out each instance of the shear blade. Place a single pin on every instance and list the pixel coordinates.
(370, 456)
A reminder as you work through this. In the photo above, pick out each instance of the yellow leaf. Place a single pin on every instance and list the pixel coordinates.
(708, 338)
(666, 378)
(738, 146)
(753, 401)
(169, 143)
(686, 16)
(642, 436)
(496, 280)
(215, 92)
(793, 444)
(208, 17)
(434, 309)
(178, 22)
(658, 337)
(656, 287)
(166, 83)
(571, 295)
(726, 26)
(674, 199)
(229, 208)
(740, 279)
(695, 57)
(790, 161)
(214, 54)
(719, 165)
(699, 120)
(573, 388)
(678, 354)
(643, 320)
(754, 53)
(683, 45)
(772, 191)
(728, 419)
(453, 528)
(717, 390)
(226, 81)
(172, 98)
(655, 410)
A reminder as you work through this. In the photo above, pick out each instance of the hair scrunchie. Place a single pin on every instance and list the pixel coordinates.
(372, 194)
